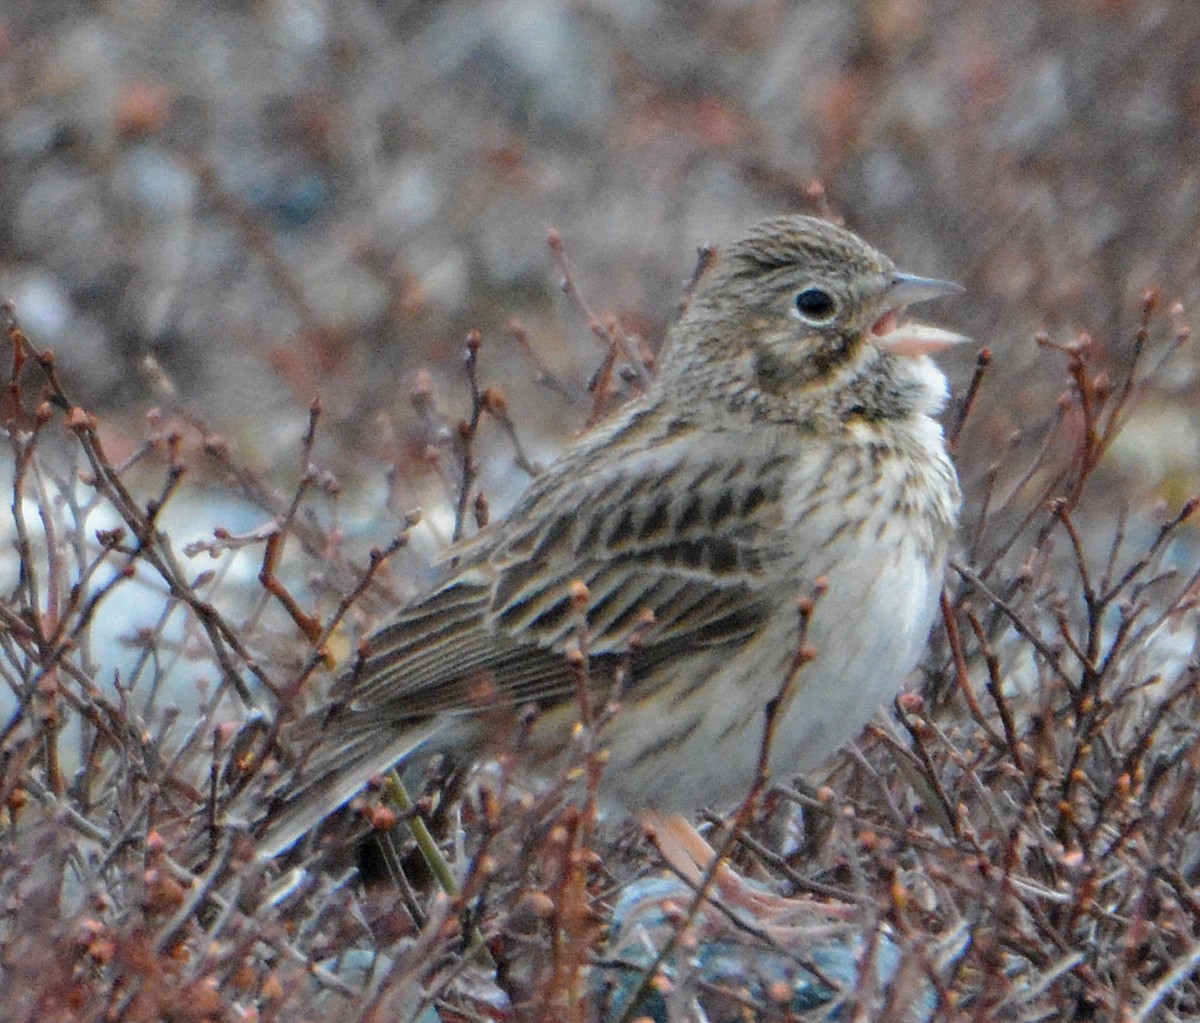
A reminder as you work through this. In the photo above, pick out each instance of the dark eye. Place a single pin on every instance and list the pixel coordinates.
(816, 305)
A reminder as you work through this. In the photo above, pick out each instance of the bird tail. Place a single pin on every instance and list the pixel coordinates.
(330, 780)
(324, 777)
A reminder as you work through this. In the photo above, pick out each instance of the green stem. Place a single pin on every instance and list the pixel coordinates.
(432, 855)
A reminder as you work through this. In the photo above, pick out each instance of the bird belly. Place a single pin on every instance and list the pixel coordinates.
(680, 749)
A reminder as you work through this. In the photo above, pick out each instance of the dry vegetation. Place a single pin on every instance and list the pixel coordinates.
(213, 213)
(1025, 838)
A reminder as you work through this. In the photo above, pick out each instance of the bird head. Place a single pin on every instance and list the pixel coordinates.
(799, 304)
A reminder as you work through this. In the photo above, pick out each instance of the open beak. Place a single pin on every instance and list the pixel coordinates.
(891, 335)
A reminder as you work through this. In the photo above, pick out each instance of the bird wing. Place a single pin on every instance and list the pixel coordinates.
(685, 539)
(676, 529)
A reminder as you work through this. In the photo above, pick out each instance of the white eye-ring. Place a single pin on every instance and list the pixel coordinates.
(816, 306)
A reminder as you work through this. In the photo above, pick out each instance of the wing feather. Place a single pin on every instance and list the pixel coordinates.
(687, 540)
(686, 544)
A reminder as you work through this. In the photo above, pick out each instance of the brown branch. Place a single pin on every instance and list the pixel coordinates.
(608, 331)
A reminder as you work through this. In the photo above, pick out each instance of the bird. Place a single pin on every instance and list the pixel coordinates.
(788, 444)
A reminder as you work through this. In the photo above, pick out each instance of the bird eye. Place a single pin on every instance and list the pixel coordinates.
(816, 305)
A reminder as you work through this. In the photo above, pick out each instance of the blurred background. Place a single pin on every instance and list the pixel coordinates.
(228, 208)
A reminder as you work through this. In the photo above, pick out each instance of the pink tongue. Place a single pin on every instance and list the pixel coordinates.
(884, 323)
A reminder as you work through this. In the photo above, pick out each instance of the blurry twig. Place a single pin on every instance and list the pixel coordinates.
(542, 373)
(982, 362)
(608, 331)
(467, 430)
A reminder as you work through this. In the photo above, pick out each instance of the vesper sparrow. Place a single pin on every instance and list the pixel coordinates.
(788, 437)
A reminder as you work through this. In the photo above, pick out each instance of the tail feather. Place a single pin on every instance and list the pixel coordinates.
(298, 800)
(332, 781)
